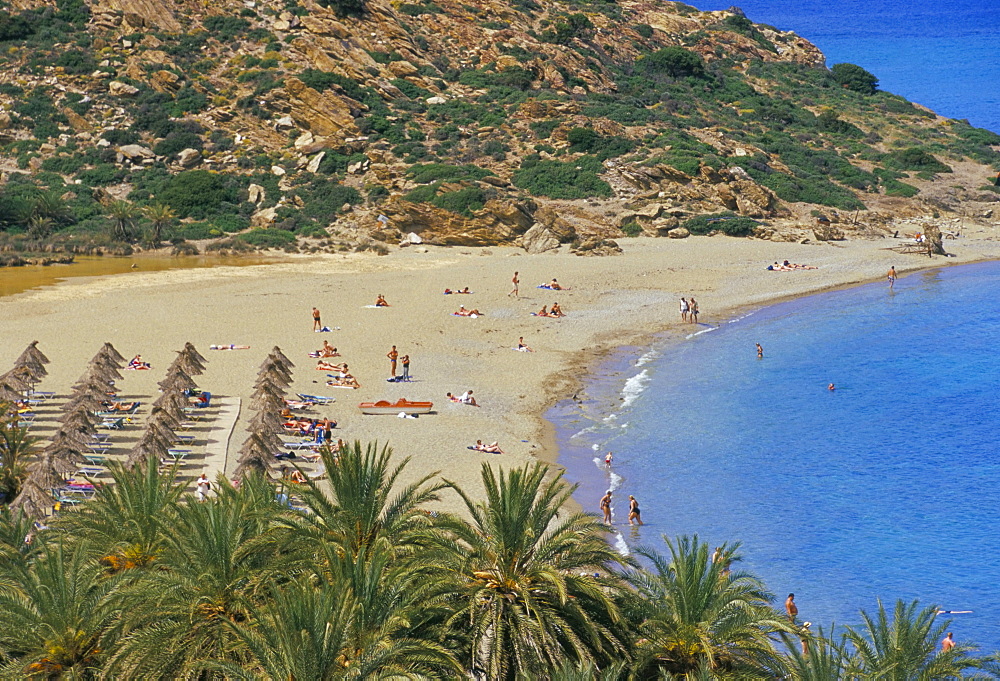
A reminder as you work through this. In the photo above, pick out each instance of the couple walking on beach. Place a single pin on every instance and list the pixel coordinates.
(689, 310)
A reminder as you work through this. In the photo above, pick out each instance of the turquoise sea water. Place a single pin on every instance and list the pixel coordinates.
(944, 55)
(885, 487)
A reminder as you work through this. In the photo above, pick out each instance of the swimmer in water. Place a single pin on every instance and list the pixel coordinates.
(831, 387)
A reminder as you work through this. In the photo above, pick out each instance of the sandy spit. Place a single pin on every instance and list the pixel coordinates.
(611, 301)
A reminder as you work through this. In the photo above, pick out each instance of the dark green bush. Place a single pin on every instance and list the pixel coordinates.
(543, 129)
(853, 77)
(176, 142)
(727, 223)
(197, 193)
(632, 229)
(565, 29)
(587, 141)
(572, 180)
(432, 172)
(64, 165)
(14, 27)
(673, 61)
(268, 238)
(231, 223)
(914, 158)
(76, 62)
(225, 28)
(645, 30)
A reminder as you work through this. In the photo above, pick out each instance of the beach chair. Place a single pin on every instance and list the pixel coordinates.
(306, 444)
(40, 395)
(317, 399)
(113, 424)
(89, 471)
(97, 452)
(178, 454)
(203, 404)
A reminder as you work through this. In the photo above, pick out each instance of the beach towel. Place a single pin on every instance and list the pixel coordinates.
(229, 347)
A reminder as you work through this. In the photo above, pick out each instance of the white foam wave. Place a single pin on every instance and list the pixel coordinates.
(610, 417)
(620, 545)
(581, 433)
(698, 333)
(634, 387)
(647, 358)
(595, 446)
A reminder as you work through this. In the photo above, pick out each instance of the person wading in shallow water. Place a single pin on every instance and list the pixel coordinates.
(791, 608)
(606, 507)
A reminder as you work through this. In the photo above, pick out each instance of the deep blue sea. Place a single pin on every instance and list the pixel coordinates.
(944, 55)
(883, 488)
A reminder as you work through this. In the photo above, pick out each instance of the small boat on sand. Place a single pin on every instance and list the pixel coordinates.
(401, 405)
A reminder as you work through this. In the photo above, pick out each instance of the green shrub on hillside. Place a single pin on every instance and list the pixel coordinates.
(566, 28)
(587, 141)
(728, 223)
(225, 28)
(914, 158)
(197, 193)
(672, 61)
(571, 180)
(853, 77)
(268, 238)
(432, 172)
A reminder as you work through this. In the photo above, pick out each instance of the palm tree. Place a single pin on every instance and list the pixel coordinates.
(55, 615)
(207, 574)
(122, 214)
(362, 507)
(694, 612)
(305, 632)
(160, 217)
(814, 656)
(127, 523)
(528, 581)
(906, 648)
(16, 447)
(40, 227)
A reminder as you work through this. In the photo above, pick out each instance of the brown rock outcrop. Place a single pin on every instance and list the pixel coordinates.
(497, 223)
(322, 113)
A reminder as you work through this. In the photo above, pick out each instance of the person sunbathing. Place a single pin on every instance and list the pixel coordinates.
(229, 347)
(492, 448)
(452, 397)
(294, 476)
(556, 311)
(544, 312)
(137, 363)
(326, 351)
(554, 285)
(464, 290)
(297, 404)
(119, 406)
(329, 366)
(344, 380)
(380, 301)
(521, 347)
(462, 312)
(467, 398)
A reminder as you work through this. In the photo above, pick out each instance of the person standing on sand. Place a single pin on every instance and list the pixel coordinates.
(393, 356)
(405, 360)
(633, 510)
(760, 351)
(791, 608)
(515, 281)
(948, 643)
(317, 324)
(693, 311)
(606, 507)
(891, 276)
(202, 487)
(684, 310)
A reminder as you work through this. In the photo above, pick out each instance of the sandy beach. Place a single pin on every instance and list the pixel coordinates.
(611, 301)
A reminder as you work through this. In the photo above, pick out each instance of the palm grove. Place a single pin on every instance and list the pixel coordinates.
(361, 578)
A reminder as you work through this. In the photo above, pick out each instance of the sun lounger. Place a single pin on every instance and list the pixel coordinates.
(40, 395)
(204, 400)
(316, 398)
(89, 471)
(98, 450)
(115, 424)
(306, 444)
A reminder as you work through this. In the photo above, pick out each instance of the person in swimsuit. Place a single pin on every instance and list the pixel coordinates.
(760, 351)
(607, 459)
(791, 608)
(554, 285)
(393, 355)
(515, 281)
(693, 312)
(521, 347)
(684, 310)
(544, 312)
(317, 324)
(380, 301)
(891, 276)
(606, 507)
(948, 643)
(633, 510)
(556, 311)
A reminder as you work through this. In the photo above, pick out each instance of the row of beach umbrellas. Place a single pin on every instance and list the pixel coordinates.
(267, 400)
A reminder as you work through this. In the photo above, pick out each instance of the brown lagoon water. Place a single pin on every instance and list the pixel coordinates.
(15, 280)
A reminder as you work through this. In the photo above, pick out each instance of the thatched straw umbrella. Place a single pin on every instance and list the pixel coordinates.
(160, 415)
(190, 363)
(177, 381)
(267, 392)
(148, 446)
(190, 350)
(9, 393)
(108, 350)
(19, 378)
(172, 402)
(65, 449)
(255, 455)
(273, 367)
(103, 369)
(44, 472)
(280, 357)
(268, 420)
(31, 354)
(33, 501)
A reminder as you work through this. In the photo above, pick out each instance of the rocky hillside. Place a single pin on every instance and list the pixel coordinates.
(292, 123)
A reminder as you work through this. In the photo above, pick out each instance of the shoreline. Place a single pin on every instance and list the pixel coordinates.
(613, 301)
